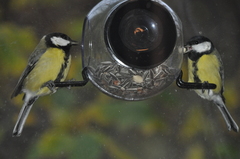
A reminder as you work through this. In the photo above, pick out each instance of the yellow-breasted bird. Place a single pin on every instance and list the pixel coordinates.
(205, 65)
(48, 63)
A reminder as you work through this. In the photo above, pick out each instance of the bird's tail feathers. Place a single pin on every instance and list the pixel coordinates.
(23, 116)
(232, 125)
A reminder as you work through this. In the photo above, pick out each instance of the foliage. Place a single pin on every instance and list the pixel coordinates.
(83, 123)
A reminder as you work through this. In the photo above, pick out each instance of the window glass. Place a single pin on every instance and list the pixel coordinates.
(84, 123)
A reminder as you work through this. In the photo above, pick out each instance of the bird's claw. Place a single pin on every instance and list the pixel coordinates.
(205, 85)
(69, 87)
(50, 85)
(72, 79)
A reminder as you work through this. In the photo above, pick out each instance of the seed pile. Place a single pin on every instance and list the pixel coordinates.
(130, 83)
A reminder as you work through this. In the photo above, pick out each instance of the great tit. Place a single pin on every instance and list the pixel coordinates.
(205, 65)
(48, 63)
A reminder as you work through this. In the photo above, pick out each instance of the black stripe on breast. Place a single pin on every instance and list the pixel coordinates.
(195, 76)
(194, 56)
(64, 66)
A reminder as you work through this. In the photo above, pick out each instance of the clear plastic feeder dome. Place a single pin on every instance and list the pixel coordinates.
(132, 48)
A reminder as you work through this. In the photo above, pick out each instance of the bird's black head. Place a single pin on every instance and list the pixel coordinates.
(198, 46)
(59, 40)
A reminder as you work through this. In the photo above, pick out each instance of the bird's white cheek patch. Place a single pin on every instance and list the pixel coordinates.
(202, 47)
(59, 41)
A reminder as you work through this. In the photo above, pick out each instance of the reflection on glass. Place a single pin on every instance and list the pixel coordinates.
(135, 50)
(84, 123)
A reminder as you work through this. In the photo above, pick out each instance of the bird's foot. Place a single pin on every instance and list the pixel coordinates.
(50, 85)
(205, 85)
(71, 80)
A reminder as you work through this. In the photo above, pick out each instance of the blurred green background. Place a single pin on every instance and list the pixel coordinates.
(83, 123)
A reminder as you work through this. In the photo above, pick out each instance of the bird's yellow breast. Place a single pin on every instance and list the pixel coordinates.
(47, 68)
(207, 69)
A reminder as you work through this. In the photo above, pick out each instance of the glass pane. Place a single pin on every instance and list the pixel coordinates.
(84, 123)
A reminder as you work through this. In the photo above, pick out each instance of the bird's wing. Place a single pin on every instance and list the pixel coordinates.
(34, 57)
(221, 70)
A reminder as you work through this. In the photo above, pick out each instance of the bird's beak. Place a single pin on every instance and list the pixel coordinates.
(74, 42)
(187, 48)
